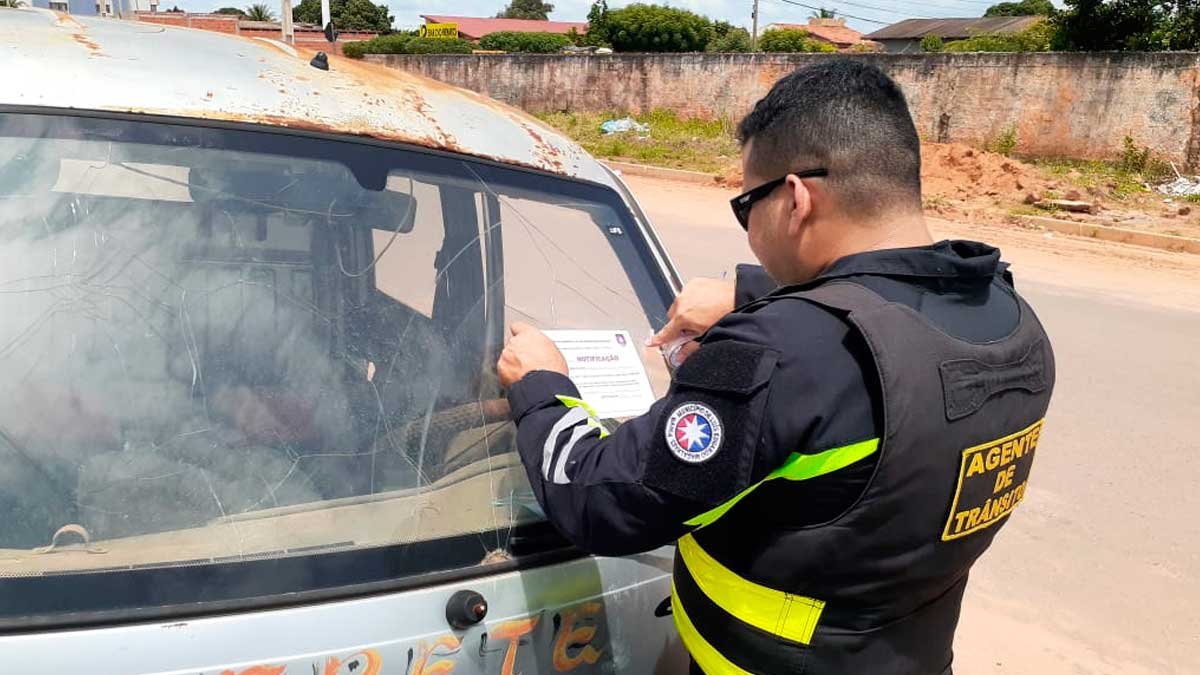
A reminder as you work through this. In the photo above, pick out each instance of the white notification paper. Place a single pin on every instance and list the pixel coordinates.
(606, 366)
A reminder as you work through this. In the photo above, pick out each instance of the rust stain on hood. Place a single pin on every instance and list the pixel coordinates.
(83, 39)
(446, 143)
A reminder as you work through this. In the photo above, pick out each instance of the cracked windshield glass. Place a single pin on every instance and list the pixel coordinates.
(221, 344)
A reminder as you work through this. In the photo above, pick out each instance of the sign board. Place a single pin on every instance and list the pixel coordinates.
(439, 31)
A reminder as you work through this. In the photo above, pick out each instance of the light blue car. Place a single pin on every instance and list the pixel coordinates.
(249, 315)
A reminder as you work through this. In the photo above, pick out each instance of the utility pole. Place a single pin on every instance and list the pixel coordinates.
(285, 21)
(754, 32)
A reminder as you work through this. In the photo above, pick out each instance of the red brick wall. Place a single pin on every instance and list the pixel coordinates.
(220, 25)
(310, 39)
(168, 18)
(1060, 104)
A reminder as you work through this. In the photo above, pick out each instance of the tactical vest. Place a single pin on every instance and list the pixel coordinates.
(878, 589)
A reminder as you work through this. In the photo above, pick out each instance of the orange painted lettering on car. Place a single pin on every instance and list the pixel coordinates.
(571, 637)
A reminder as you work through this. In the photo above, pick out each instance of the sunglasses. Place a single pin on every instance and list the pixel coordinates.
(743, 204)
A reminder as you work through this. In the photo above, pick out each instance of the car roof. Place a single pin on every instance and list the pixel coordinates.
(57, 60)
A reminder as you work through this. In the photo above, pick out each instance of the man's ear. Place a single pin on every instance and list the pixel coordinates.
(801, 205)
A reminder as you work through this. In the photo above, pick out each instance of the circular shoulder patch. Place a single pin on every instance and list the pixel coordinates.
(693, 433)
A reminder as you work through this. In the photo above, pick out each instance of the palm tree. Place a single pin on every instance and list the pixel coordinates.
(824, 14)
(259, 12)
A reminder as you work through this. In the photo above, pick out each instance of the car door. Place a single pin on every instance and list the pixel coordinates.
(251, 422)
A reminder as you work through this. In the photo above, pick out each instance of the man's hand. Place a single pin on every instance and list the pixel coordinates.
(528, 350)
(700, 304)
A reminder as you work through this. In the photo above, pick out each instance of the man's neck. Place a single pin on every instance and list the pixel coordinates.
(897, 231)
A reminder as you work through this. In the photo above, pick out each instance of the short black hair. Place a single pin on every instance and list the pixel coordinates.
(848, 117)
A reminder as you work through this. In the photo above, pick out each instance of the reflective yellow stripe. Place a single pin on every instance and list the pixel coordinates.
(593, 418)
(792, 617)
(797, 467)
(705, 655)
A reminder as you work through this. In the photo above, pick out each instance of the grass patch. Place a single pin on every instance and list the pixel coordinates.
(1109, 176)
(674, 142)
(1004, 143)
(934, 202)
(1194, 199)
(1027, 210)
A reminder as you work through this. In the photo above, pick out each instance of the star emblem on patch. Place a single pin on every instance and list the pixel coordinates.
(693, 433)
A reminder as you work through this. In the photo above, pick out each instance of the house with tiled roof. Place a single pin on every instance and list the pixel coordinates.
(829, 31)
(474, 27)
(905, 37)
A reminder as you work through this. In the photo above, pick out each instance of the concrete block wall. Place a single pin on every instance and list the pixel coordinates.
(1071, 105)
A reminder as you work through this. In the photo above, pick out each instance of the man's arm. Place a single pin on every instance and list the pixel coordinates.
(636, 489)
(752, 283)
(703, 302)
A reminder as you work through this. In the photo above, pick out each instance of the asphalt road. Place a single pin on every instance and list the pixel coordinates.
(1099, 570)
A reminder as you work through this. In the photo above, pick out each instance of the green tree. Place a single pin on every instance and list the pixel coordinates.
(405, 43)
(932, 44)
(597, 34)
(526, 43)
(234, 11)
(1039, 38)
(361, 15)
(656, 28)
(823, 13)
(420, 45)
(792, 40)
(1022, 8)
(537, 10)
(1129, 25)
(259, 12)
(729, 38)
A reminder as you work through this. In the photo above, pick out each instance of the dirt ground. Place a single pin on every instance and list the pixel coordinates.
(970, 185)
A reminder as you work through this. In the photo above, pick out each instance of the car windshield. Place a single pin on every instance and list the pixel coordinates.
(221, 345)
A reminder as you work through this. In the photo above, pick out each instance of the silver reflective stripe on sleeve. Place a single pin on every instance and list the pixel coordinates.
(560, 468)
(569, 419)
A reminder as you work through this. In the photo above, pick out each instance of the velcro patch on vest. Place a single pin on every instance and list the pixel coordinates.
(991, 482)
(708, 431)
(969, 383)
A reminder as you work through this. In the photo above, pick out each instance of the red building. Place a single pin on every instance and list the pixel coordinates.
(473, 28)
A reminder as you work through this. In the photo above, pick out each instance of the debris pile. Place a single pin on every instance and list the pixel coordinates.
(1182, 186)
(625, 125)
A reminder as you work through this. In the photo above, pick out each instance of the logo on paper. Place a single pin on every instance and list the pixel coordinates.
(621, 339)
(693, 433)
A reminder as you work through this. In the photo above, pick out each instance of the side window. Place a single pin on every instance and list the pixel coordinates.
(413, 282)
(575, 266)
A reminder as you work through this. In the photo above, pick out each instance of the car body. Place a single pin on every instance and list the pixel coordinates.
(249, 314)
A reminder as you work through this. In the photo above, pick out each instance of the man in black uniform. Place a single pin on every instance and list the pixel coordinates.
(843, 445)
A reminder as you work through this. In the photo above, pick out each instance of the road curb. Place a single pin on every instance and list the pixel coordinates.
(679, 175)
(1166, 242)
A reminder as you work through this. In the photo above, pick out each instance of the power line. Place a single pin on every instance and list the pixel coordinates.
(984, 3)
(876, 8)
(872, 7)
(848, 16)
(891, 10)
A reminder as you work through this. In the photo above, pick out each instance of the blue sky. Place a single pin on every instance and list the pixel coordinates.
(864, 15)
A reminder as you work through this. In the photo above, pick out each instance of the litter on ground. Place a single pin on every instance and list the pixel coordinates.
(623, 126)
(1181, 187)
